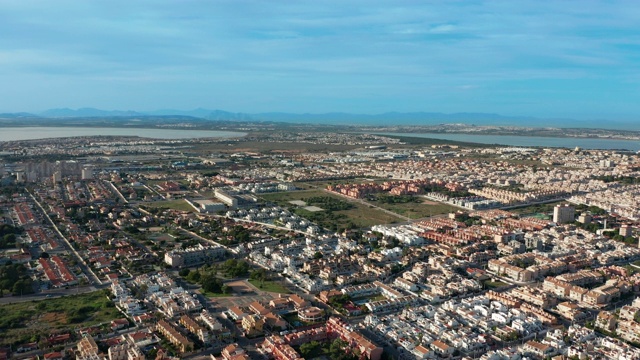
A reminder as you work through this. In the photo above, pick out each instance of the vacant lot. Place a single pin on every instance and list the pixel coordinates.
(22, 322)
(283, 198)
(493, 284)
(417, 210)
(243, 295)
(179, 204)
(270, 286)
(359, 214)
(545, 209)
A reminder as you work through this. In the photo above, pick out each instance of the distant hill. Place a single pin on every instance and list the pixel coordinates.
(17, 115)
(334, 118)
(394, 118)
(87, 112)
(390, 118)
(196, 113)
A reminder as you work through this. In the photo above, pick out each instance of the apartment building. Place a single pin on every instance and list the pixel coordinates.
(192, 256)
(174, 336)
(195, 328)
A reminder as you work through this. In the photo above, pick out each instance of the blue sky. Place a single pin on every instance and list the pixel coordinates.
(578, 59)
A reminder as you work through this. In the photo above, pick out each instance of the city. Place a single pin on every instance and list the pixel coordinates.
(319, 180)
(140, 248)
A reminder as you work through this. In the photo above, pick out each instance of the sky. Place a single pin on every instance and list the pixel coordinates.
(554, 59)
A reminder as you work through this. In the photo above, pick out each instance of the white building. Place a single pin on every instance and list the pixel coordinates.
(56, 177)
(210, 206)
(226, 198)
(193, 256)
(87, 173)
(563, 214)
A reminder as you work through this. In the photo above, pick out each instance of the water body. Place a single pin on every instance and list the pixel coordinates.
(34, 133)
(531, 141)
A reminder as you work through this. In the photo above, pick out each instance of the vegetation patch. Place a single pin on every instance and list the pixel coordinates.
(416, 209)
(34, 320)
(493, 284)
(208, 276)
(180, 205)
(340, 213)
(270, 286)
(14, 279)
(8, 235)
(335, 350)
(531, 210)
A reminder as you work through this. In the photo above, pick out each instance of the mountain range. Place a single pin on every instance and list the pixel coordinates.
(332, 118)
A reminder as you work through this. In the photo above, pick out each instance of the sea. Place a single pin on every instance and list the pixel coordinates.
(35, 133)
(531, 141)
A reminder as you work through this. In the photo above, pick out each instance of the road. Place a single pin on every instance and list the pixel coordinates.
(47, 294)
(115, 189)
(154, 191)
(81, 262)
(191, 233)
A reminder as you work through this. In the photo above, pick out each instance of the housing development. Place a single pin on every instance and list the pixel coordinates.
(317, 245)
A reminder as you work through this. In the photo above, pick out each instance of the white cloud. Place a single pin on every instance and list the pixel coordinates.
(442, 29)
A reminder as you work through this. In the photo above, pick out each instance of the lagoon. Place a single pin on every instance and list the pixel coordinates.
(44, 132)
(530, 141)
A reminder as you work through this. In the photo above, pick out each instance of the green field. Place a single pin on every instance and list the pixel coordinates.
(179, 204)
(360, 215)
(283, 198)
(29, 321)
(371, 298)
(493, 284)
(537, 209)
(417, 210)
(270, 286)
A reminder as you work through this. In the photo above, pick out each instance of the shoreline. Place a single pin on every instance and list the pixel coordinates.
(36, 133)
(550, 136)
(527, 141)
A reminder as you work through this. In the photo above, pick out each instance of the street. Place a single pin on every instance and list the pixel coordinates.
(48, 294)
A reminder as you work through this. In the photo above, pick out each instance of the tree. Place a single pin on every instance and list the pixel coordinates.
(340, 350)
(235, 268)
(211, 284)
(44, 255)
(184, 272)
(260, 275)
(194, 276)
(336, 347)
(24, 286)
(307, 349)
